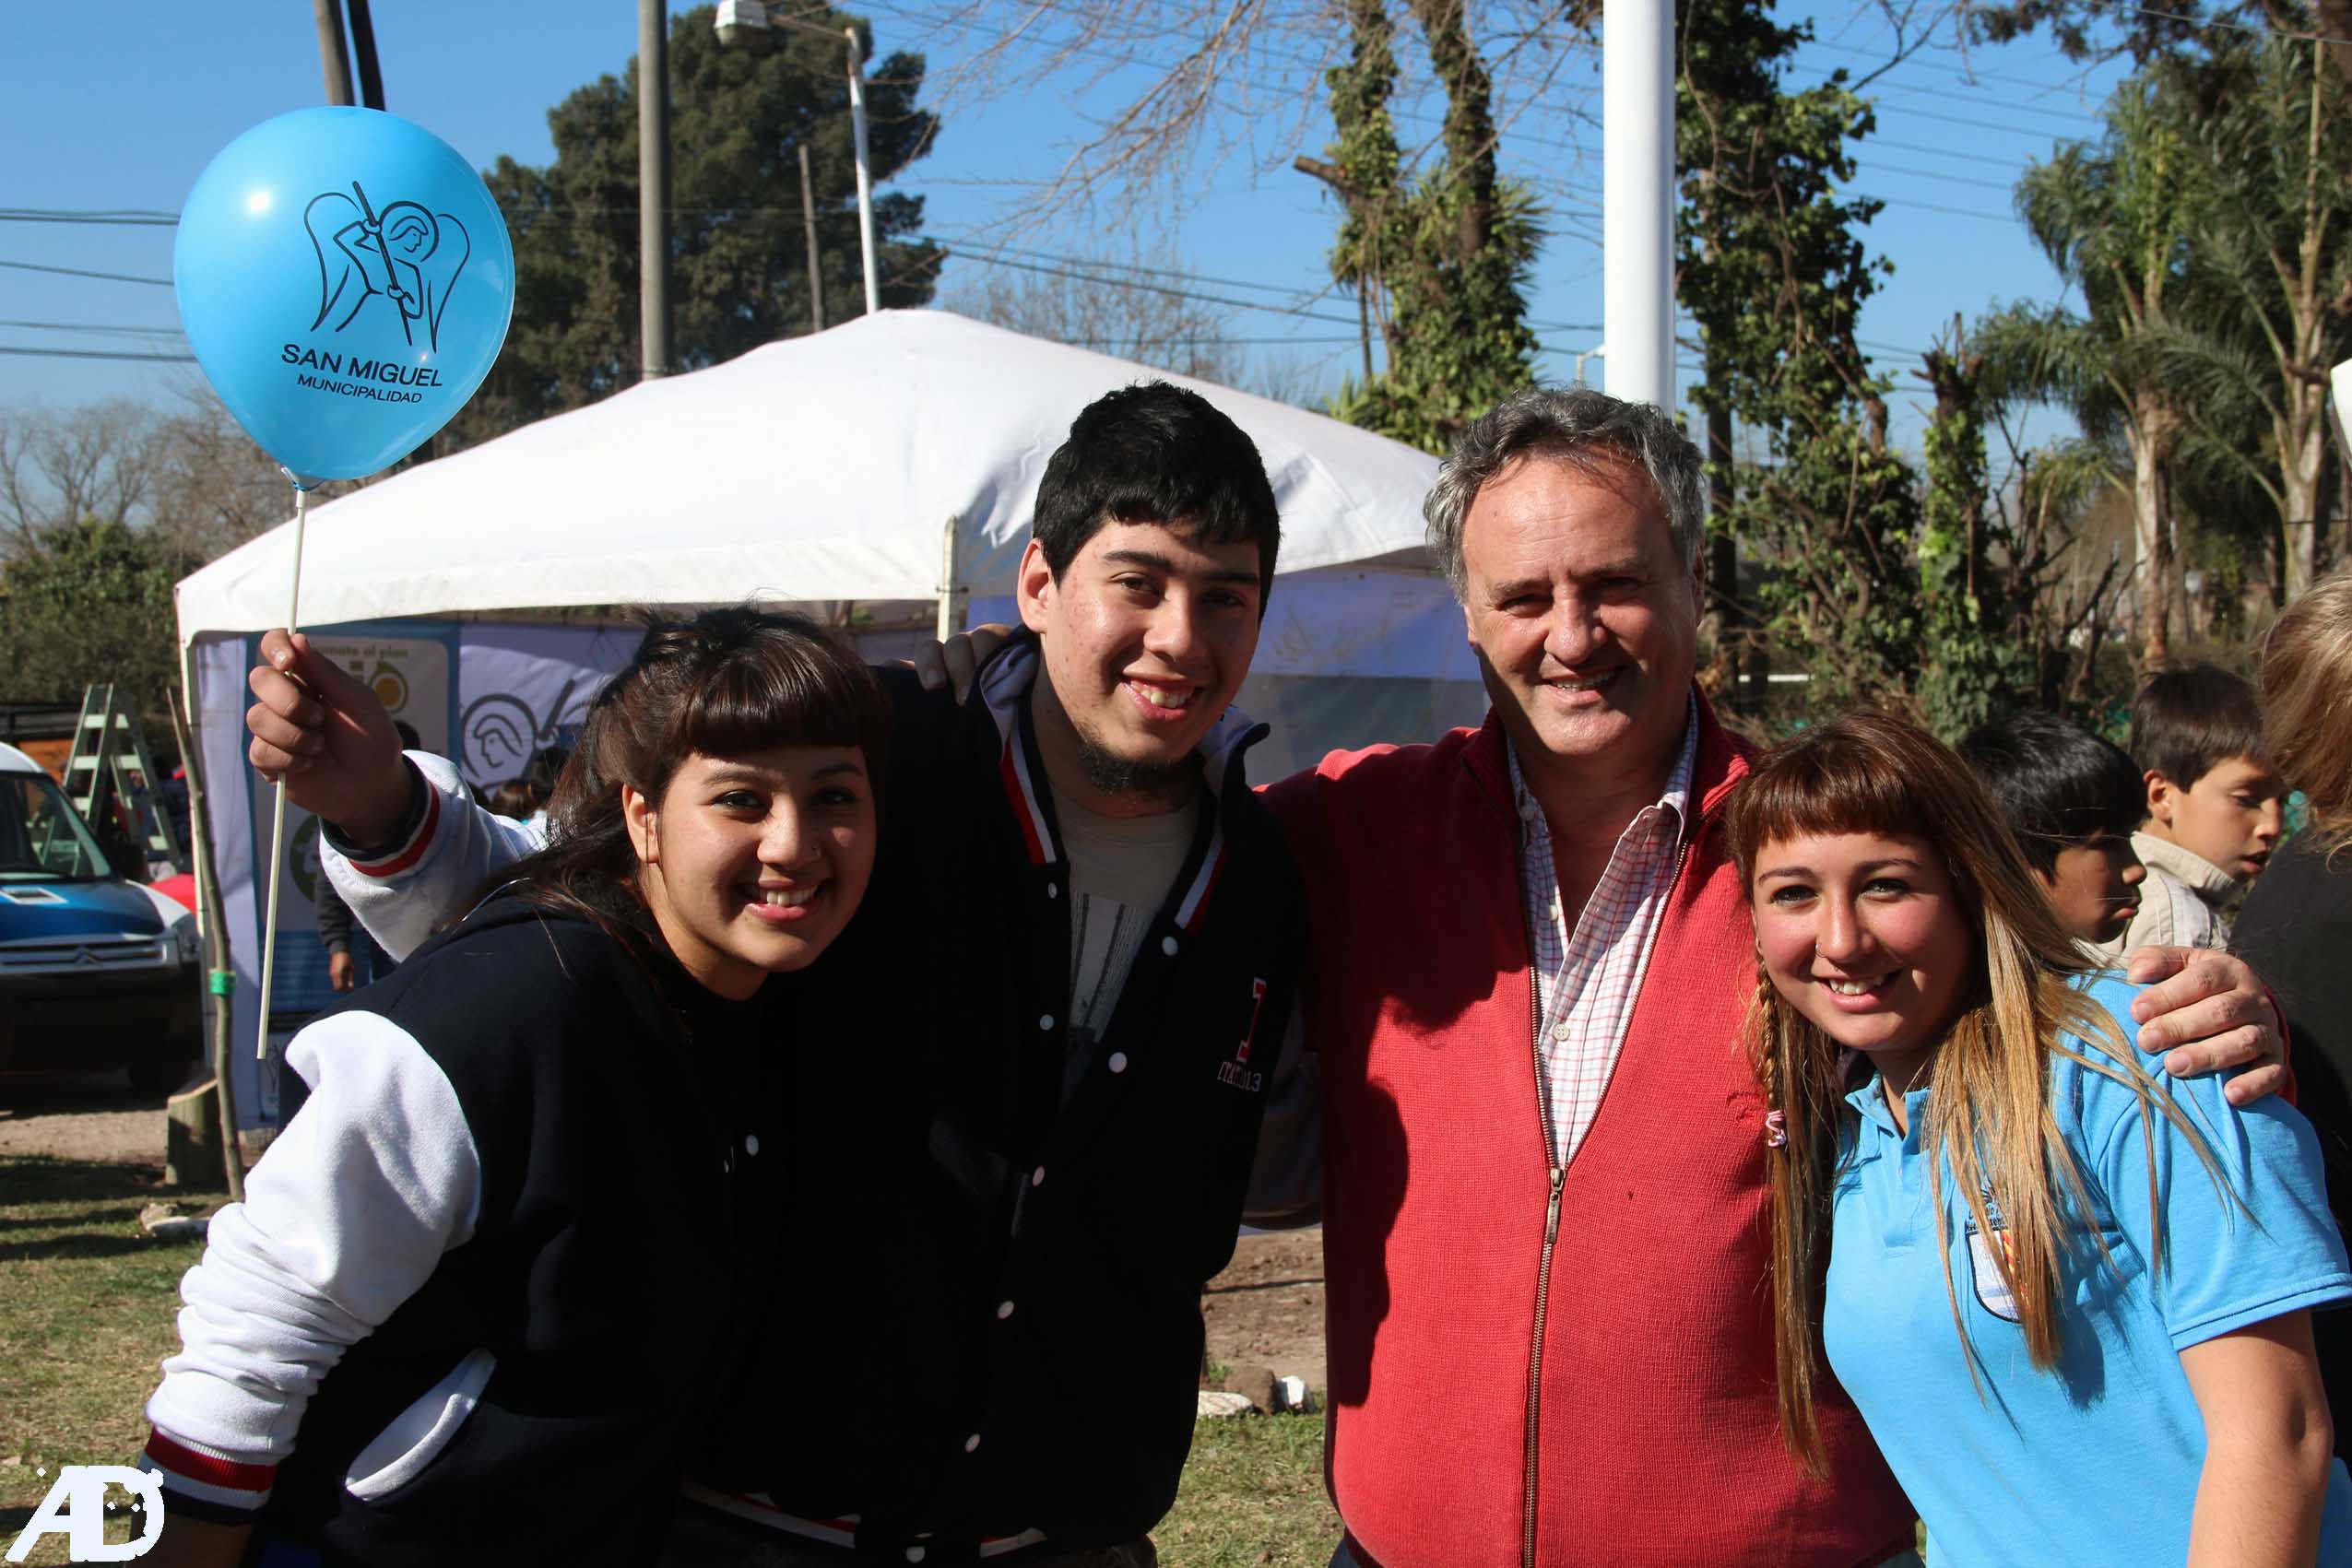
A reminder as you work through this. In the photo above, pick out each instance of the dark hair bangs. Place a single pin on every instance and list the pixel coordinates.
(780, 693)
(1823, 782)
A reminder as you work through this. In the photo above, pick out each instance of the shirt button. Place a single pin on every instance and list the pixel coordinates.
(1045, 1022)
(914, 1554)
(1560, 1031)
(1037, 1177)
(1118, 1061)
(1168, 945)
(1529, 810)
(1004, 1310)
(1053, 889)
(751, 1143)
(972, 1443)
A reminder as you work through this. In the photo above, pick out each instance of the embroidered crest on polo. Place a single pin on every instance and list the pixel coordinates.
(1237, 1072)
(1993, 1288)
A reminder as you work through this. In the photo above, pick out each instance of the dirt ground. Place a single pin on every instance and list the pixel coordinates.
(1265, 1310)
(90, 1116)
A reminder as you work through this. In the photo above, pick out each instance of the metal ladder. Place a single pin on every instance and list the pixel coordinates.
(110, 754)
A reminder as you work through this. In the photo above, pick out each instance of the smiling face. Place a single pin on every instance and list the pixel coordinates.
(751, 864)
(1861, 934)
(2232, 816)
(1147, 635)
(2094, 884)
(1584, 616)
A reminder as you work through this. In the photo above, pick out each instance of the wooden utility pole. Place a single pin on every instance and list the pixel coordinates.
(808, 222)
(328, 14)
(653, 184)
(363, 52)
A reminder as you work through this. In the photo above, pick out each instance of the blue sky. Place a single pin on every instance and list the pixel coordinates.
(122, 106)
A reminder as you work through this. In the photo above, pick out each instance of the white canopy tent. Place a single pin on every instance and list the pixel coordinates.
(818, 468)
(894, 458)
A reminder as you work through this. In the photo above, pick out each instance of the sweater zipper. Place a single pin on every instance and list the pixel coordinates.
(1558, 1174)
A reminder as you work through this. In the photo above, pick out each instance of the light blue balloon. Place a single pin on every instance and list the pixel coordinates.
(345, 280)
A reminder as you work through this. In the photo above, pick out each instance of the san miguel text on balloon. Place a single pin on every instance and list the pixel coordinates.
(390, 372)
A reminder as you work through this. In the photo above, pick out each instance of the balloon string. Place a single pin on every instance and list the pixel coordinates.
(278, 820)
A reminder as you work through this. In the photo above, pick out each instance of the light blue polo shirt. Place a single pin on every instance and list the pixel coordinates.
(2096, 1460)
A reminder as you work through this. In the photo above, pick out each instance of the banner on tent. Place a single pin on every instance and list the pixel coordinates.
(411, 674)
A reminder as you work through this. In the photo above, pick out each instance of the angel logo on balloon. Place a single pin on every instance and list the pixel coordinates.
(406, 255)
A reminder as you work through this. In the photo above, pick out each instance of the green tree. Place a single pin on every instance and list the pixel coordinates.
(91, 601)
(1441, 260)
(1774, 271)
(737, 258)
(2269, 273)
(2112, 219)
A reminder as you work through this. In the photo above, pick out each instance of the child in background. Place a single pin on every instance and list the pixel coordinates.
(2215, 805)
(2073, 801)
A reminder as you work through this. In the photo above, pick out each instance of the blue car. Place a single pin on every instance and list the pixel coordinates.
(95, 970)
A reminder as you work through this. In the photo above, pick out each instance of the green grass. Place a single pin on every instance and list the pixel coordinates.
(1252, 1494)
(90, 1301)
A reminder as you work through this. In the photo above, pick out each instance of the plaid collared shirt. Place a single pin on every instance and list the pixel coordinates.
(1585, 980)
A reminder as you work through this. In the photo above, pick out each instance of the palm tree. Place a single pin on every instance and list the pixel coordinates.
(2271, 274)
(2111, 218)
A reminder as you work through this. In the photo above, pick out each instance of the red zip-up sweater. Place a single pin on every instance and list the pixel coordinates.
(1512, 1381)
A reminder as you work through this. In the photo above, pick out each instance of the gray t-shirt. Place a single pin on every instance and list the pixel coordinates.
(1120, 871)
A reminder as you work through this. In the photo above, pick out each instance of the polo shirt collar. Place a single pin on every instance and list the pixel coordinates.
(1867, 1095)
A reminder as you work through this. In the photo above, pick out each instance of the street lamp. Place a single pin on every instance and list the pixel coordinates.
(750, 24)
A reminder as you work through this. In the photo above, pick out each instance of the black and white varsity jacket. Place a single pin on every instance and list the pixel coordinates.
(984, 1331)
(483, 1289)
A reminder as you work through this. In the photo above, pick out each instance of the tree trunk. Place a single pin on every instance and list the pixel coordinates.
(2302, 454)
(2152, 525)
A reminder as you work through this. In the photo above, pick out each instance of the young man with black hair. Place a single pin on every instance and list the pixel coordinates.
(2073, 801)
(1028, 1081)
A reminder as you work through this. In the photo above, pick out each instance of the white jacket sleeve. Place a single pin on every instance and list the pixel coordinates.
(345, 1218)
(402, 895)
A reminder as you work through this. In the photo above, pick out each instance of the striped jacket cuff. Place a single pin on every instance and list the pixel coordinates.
(231, 1488)
(392, 859)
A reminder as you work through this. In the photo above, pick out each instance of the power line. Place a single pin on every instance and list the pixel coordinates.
(2069, 114)
(1931, 174)
(1965, 72)
(1876, 140)
(94, 326)
(82, 272)
(94, 354)
(133, 219)
(2235, 27)
(1950, 211)
(993, 260)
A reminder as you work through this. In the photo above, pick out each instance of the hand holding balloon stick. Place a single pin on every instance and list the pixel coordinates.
(345, 280)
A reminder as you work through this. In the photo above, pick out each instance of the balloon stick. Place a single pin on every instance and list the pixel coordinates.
(277, 820)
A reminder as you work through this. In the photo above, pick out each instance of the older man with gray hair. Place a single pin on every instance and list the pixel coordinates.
(1543, 1179)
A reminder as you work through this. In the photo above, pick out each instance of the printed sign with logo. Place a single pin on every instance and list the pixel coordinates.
(413, 677)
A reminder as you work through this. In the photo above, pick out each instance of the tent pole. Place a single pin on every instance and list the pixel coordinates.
(951, 613)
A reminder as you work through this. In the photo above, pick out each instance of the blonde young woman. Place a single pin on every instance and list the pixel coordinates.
(2070, 1298)
(2296, 927)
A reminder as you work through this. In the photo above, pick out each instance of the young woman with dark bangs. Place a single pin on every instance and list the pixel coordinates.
(2069, 1293)
(488, 1287)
